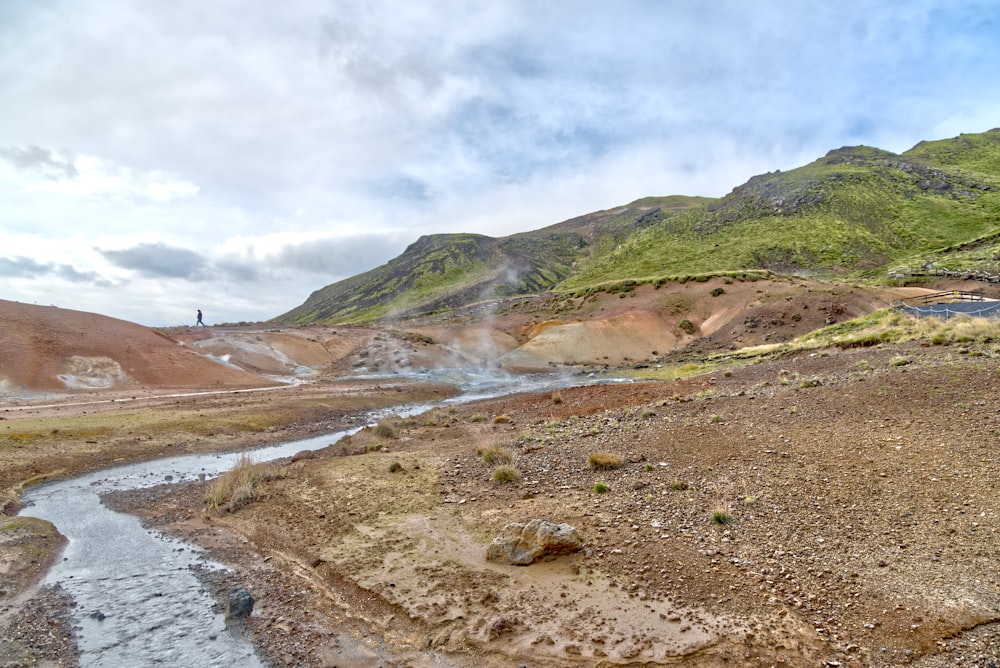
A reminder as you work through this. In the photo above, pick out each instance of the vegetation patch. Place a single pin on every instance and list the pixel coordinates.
(241, 484)
(386, 429)
(497, 456)
(505, 474)
(603, 461)
(722, 516)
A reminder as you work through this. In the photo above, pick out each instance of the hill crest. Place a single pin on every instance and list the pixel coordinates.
(853, 213)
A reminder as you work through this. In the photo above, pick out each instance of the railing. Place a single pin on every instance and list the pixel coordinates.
(946, 297)
(949, 304)
(963, 274)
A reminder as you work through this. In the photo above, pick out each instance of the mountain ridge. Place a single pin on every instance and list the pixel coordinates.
(851, 214)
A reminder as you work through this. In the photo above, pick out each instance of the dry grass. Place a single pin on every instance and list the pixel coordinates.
(496, 456)
(492, 449)
(603, 461)
(386, 429)
(241, 484)
(505, 474)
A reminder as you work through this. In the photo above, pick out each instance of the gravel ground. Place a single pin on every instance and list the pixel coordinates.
(39, 633)
(859, 492)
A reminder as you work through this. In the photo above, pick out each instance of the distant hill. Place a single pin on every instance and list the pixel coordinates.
(45, 348)
(853, 213)
(444, 271)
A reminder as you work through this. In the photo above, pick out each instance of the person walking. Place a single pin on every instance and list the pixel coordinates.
(199, 320)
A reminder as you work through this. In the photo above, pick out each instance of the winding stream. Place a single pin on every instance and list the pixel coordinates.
(139, 602)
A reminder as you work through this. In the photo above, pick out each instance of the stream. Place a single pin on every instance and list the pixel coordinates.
(138, 600)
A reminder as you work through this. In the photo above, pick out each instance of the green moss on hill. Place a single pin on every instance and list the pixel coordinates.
(855, 212)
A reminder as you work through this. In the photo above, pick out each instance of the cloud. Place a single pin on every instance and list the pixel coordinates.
(302, 143)
(159, 260)
(311, 257)
(24, 267)
(42, 160)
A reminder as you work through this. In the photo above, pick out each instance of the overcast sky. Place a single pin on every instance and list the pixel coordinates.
(159, 157)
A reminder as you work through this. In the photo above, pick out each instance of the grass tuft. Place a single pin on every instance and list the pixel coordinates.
(505, 474)
(240, 485)
(497, 456)
(603, 461)
(600, 487)
(386, 429)
(722, 517)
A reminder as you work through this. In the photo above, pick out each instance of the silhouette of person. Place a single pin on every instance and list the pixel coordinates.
(199, 320)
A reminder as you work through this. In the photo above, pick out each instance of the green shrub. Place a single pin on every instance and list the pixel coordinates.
(600, 488)
(678, 486)
(718, 291)
(395, 467)
(722, 516)
(687, 327)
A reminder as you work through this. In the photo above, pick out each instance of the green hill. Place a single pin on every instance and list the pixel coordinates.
(445, 271)
(854, 213)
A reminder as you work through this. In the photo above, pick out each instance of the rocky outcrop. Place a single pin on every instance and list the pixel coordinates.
(522, 544)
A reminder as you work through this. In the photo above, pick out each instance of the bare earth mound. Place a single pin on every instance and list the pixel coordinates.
(45, 348)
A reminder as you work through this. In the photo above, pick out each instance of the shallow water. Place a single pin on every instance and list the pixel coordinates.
(138, 600)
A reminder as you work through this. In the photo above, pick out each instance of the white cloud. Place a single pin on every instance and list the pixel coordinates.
(294, 144)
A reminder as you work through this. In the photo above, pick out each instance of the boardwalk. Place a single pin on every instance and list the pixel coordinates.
(950, 303)
(963, 274)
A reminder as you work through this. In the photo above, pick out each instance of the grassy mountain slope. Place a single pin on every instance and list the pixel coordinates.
(447, 270)
(855, 213)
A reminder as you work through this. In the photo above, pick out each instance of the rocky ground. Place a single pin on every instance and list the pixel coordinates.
(836, 507)
(853, 496)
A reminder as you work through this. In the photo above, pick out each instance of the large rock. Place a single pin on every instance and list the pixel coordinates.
(240, 603)
(522, 544)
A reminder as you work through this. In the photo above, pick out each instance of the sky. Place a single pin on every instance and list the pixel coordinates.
(236, 155)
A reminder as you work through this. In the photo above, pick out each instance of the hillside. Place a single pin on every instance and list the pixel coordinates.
(45, 348)
(853, 213)
(445, 271)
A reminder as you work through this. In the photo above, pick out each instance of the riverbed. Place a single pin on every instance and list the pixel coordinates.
(137, 598)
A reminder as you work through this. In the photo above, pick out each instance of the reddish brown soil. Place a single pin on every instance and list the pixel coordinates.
(861, 486)
(862, 492)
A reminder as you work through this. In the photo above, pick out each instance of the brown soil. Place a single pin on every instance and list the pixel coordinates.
(861, 490)
(861, 487)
